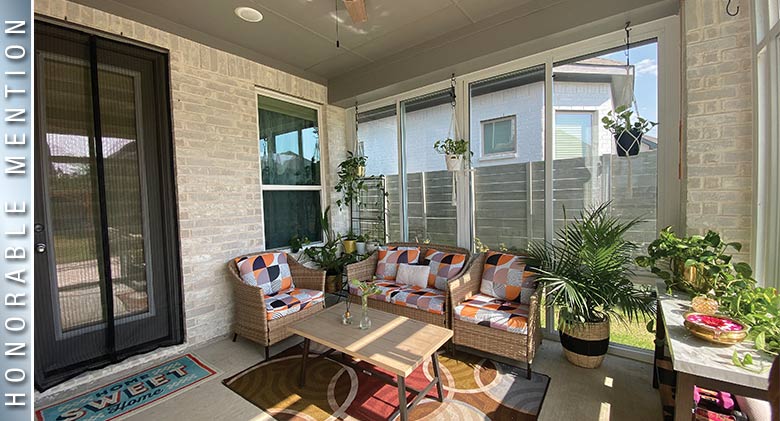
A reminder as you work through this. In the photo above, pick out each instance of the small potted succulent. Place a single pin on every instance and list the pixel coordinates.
(628, 131)
(456, 153)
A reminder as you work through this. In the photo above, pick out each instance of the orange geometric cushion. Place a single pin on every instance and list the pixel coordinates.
(444, 267)
(387, 265)
(268, 271)
(504, 276)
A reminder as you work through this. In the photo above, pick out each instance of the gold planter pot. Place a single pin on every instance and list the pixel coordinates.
(350, 246)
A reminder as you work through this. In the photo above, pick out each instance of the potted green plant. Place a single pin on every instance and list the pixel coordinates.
(696, 264)
(628, 131)
(326, 258)
(456, 153)
(586, 272)
(351, 183)
(360, 244)
(350, 242)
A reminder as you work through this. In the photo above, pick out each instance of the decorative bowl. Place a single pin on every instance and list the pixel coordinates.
(715, 328)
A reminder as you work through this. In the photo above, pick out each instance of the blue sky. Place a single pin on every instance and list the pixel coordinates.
(645, 60)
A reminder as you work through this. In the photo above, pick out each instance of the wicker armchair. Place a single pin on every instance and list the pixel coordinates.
(487, 339)
(250, 310)
(365, 270)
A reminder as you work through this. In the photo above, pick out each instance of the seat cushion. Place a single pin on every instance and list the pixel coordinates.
(444, 267)
(385, 287)
(494, 312)
(427, 299)
(291, 301)
(388, 261)
(268, 271)
(505, 276)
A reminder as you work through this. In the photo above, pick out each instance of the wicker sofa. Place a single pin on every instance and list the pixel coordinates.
(365, 270)
(483, 337)
(250, 305)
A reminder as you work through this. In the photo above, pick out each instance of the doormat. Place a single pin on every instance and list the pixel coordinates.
(475, 388)
(130, 393)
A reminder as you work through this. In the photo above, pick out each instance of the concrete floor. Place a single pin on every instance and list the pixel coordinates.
(619, 390)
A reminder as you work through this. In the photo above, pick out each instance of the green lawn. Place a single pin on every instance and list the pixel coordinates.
(631, 334)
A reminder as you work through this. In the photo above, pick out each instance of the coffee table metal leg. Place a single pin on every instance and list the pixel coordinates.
(304, 357)
(437, 376)
(402, 410)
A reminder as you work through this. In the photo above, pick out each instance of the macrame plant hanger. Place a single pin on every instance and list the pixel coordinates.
(453, 129)
(356, 144)
(628, 92)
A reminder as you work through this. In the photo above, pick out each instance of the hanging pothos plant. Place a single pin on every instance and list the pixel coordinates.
(351, 183)
(626, 129)
(456, 152)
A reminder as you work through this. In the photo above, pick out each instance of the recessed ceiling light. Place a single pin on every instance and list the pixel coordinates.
(248, 14)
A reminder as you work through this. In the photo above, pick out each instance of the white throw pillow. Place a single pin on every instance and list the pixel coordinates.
(413, 275)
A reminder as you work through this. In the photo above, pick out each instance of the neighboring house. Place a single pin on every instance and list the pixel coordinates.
(507, 121)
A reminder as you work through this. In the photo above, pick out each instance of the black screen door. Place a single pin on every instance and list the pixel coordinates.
(107, 281)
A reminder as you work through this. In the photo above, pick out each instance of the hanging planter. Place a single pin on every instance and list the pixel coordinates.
(456, 153)
(628, 131)
(628, 142)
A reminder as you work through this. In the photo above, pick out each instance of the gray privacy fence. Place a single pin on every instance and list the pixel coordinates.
(509, 199)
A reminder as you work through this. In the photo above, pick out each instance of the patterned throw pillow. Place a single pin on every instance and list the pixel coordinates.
(444, 267)
(387, 266)
(505, 277)
(268, 271)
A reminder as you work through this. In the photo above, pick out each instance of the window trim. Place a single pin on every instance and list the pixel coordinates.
(322, 187)
(489, 156)
(766, 130)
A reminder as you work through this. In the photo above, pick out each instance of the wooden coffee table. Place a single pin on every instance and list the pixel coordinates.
(393, 343)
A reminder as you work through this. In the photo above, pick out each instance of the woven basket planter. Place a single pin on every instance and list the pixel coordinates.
(585, 344)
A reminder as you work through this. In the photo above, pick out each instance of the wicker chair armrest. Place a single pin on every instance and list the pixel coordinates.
(363, 270)
(249, 300)
(534, 322)
(304, 277)
(468, 283)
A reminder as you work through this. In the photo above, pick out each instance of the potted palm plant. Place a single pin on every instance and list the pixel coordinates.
(456, 152)
(587, 274)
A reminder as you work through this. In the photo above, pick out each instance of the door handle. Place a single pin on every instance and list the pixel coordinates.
(40, 248)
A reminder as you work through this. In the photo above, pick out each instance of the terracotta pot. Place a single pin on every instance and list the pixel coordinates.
(585, 344)
(350, 246)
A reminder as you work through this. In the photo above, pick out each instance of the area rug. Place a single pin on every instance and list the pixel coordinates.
(130, 393)
(474, 389)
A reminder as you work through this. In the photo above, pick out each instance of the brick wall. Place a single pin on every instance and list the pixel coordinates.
(216, 158)
(719, 127)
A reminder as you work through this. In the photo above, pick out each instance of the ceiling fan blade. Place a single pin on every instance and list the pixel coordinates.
(357, 10)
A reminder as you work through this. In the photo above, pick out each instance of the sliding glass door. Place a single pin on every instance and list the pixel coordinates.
(106, 264)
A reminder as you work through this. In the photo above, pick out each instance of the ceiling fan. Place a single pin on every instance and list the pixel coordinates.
(356, 10)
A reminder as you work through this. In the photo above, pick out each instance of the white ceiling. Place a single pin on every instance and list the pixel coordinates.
(302, 33)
